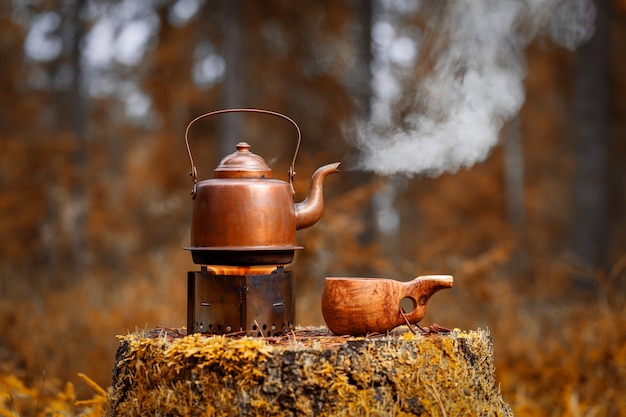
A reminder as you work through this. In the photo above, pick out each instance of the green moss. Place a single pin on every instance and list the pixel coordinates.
(314, 374)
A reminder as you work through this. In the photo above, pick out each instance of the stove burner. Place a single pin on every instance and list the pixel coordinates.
(257, 304)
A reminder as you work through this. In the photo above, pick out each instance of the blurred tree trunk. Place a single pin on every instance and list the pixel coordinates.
(592, 139)
(234, 77)
(79, 198)
(64, 229)
(514, 174)
(363, 93)
(363, 90)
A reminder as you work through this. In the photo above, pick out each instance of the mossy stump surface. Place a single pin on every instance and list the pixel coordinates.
(309, 372)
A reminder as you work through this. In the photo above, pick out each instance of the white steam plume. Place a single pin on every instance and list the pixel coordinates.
(474, 87)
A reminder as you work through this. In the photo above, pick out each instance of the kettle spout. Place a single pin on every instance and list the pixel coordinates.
(309, 211)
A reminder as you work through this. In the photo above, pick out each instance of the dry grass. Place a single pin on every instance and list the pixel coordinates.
(16, 399)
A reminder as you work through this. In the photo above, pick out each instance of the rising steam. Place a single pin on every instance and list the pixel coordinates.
(456, 111)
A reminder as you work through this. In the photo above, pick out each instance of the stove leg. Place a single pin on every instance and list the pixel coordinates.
(191, 305)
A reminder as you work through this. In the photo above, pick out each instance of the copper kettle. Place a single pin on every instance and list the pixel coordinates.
(243, 216)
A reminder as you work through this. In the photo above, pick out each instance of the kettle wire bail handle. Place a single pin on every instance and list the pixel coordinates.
(194, 171)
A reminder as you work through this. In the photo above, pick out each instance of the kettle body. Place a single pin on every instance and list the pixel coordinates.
(243, 213)
(243, 216)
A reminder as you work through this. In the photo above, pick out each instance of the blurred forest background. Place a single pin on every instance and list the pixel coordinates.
(94, 191)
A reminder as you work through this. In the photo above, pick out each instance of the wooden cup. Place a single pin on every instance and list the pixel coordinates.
(358, 306)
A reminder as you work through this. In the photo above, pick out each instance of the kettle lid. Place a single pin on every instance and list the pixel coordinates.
(243, 164)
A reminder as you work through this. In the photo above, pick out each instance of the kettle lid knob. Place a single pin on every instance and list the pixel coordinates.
(243, 147)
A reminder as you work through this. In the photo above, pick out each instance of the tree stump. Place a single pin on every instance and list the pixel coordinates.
(309, 372)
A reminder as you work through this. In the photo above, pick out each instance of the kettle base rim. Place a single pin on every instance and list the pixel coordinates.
(243, 255)
(242, 248)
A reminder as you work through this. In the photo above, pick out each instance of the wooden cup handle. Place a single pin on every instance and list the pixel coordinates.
(420, 290)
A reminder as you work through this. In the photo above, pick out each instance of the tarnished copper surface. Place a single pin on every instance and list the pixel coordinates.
(251, 212)
(243, 215)
(238, 212)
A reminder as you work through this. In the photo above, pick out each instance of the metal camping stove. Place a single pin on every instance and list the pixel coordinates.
(243, 228)
(259, 304)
